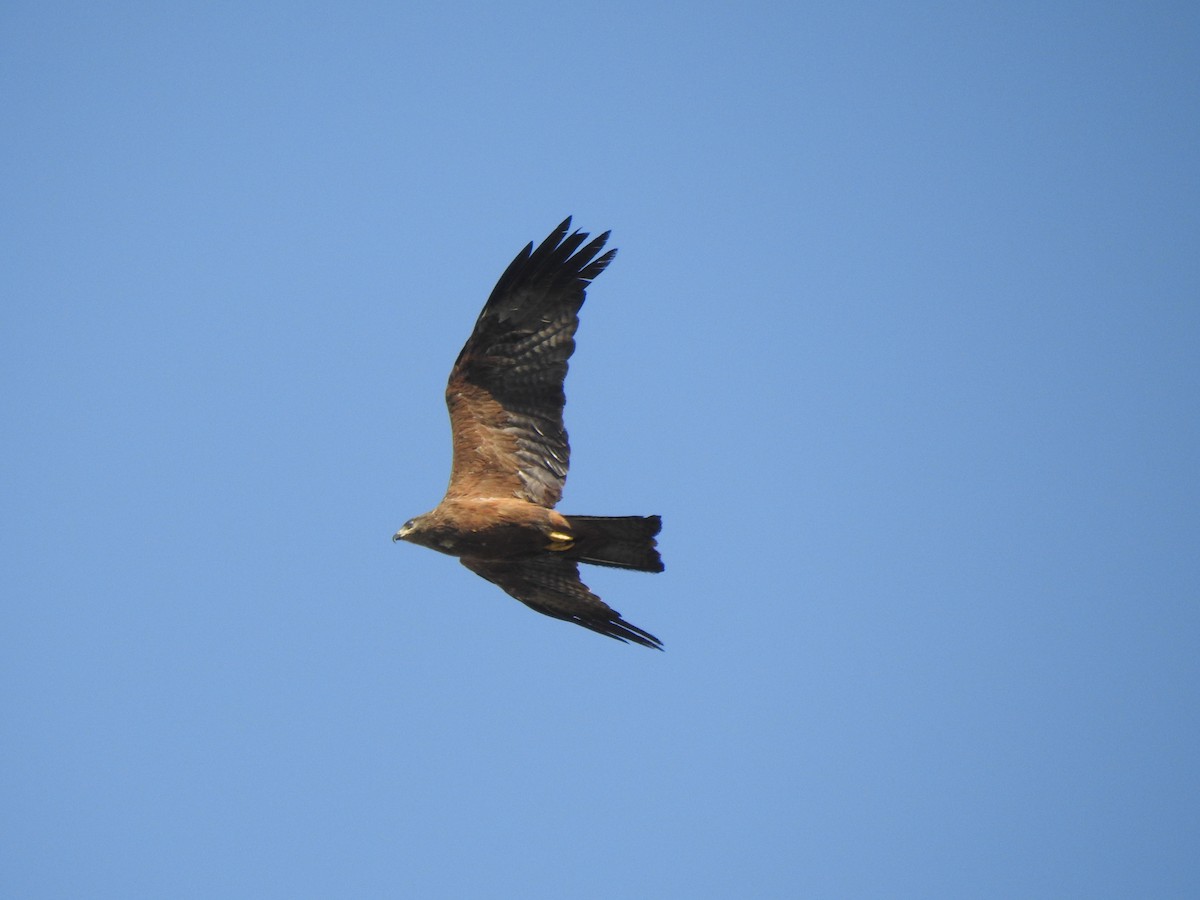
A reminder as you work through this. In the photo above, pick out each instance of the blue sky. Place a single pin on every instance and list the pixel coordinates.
(901, 342)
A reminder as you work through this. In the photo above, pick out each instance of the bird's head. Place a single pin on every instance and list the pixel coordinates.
(407, 530)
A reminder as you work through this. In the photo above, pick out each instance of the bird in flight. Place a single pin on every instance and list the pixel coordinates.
(505, 397)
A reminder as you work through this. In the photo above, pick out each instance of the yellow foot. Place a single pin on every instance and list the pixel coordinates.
(560, 541)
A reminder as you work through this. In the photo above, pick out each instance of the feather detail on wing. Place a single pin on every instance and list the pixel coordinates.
(505, 392)
(550, 585)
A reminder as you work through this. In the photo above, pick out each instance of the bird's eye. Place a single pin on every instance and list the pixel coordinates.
(409, 524)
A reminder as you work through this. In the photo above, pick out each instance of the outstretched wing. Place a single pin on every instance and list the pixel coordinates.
(505, 392)
(551, 585)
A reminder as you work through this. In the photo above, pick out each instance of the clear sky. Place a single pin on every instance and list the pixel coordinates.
(903, 343)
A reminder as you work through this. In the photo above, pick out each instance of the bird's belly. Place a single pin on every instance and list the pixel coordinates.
(499, 541)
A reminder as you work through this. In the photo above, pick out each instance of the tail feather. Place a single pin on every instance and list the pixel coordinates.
(626, 542)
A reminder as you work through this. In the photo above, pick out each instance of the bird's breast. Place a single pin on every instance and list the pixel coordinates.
(494, 529)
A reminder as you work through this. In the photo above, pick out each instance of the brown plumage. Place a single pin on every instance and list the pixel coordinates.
(505, 397)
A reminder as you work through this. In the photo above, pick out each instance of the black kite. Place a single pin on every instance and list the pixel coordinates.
(506, 399)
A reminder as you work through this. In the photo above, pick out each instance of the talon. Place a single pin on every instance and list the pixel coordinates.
(560, 541)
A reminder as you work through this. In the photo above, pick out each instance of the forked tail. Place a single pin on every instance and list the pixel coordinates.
(626, 542)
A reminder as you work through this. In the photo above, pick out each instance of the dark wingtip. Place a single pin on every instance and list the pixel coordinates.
(621, 630)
